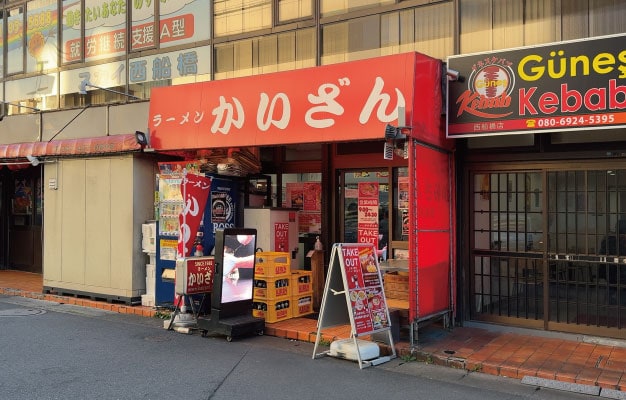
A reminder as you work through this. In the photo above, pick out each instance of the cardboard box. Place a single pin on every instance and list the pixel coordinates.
(396, 285)
(147, 300)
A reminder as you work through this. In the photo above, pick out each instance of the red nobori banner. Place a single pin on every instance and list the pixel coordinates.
(347, 101)
(561, 86)
(195, 190)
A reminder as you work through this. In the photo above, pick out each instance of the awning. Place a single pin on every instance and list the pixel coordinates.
(72, 147)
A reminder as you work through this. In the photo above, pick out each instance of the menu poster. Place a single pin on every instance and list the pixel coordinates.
(295, 195)
(312, 194)
(405, 222)
(403, 192)
(368, 213)
(305, 196)
(309, 222)
(365, 290)
(354, 292)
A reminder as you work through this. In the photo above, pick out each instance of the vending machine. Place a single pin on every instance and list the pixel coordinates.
(224, 209)
(277, 230)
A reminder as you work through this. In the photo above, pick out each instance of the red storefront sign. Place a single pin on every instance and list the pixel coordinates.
(351, 101)
(195, 275)
(348, 101)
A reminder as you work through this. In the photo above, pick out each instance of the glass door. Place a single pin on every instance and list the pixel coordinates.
(364, 210)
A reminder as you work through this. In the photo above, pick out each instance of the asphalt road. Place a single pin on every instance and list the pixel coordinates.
(57, 351)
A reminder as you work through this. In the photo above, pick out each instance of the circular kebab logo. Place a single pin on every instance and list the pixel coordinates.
(489, 88)
(492, 81)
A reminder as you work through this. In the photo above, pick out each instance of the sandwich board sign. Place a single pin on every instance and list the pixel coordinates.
(354, 294)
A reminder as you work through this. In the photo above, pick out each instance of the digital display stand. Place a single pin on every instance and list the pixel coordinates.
(231, 298)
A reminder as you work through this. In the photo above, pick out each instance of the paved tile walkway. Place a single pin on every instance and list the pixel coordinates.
(562, 358)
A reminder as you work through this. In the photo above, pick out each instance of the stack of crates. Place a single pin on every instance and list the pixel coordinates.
(301, 293)
(280, 293)
(271, 293)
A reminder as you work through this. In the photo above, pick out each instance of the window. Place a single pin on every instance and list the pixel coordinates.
(270, 53)
(334, 7)
(238, 16)
(294, 9)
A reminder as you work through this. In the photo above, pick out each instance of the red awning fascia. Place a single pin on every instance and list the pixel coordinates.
(72, 147)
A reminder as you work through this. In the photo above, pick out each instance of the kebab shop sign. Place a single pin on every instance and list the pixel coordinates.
(562, 86)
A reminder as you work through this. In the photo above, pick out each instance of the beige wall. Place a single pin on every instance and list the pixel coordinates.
(75, 123)
(92, 224)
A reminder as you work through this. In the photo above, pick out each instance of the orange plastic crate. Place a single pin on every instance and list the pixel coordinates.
(302, 304)
(271, 289)
(272, 311)
(272, 264)
(301, 282)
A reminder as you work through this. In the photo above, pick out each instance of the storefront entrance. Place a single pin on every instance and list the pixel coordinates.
(551, 259)
(381, 220)
(21, 213)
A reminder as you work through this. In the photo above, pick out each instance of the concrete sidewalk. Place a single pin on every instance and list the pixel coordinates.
(570, 362)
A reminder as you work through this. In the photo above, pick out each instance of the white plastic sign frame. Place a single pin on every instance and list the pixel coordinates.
(353, 293)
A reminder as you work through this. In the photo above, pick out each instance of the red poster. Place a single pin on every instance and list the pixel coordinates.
(281, 236)
(312, 194)
(405, 222)
(368, 213)
(195, 191)
(309, 222)
(367, 299)
(295, 195)
(403, 192)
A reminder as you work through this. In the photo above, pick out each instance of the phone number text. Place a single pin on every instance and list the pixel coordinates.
(576, 120)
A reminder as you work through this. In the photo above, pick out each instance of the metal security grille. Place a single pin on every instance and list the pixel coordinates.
(575, 273)
(587, 247)
(507, 245)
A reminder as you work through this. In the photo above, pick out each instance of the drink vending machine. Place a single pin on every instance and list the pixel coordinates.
(224, 209)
